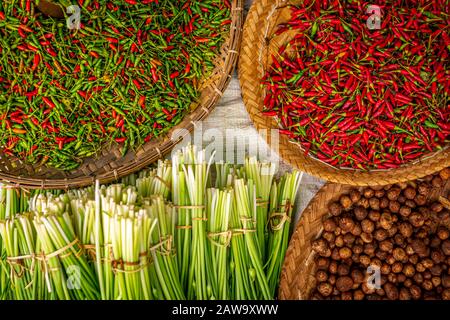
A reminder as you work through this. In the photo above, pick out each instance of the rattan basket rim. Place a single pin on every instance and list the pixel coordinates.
(260, 17)
(109, 166)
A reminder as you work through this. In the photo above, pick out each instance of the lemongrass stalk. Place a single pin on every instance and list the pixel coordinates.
(262, 174)
(219, 208)
(105, 251)
(108, 209)
(148, 227)
(211, 200)
(281, 207)
(55, 279)
(156, 182)
(4, 282)
(132, 229)
(196, 172)
(9, 233)
(157, 291)
(162, 250)
(245, 198)
(162, 179)
(99, 241)
(130, 180)
(120, 291)
(27, 243)
(240, 261)
(3, 212)
(131, 254)
(74, 261)
(183, 233)
(241, 264)
(59, 226)
(10, 205)
(223, 171)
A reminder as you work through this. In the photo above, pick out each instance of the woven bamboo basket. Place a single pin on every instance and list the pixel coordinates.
(109, 165)
(298, 275)
(257, 45)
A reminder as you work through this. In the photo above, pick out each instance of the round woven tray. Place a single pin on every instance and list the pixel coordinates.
(256, 48)
(109, 165)
(298, 275)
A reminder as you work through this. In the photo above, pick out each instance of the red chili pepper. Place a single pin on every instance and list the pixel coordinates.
(22, 47)
(359, 101)
(51, 52)
(82, 94)
(226, 22)
(22, 34)
(174, 75)
(31, 93)
(26, 28)
(275, 62)
(48, 102)
(201, 40)
(121, 140)
(285, 132)
(112, 40)
(94, 54)
(270, 113)
(32, 48)
(36, 62)
(137, 84)
(141, 102)
(166, 112)
(154, 75)
(120, 123)
(188, 68)
(48, 35)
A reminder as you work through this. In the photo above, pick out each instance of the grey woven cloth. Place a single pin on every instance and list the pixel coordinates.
(230, 114)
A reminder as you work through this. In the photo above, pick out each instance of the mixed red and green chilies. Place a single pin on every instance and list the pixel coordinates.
(131, 73)
(358, 98)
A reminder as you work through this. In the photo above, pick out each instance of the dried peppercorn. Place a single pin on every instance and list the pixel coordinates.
(412, 258)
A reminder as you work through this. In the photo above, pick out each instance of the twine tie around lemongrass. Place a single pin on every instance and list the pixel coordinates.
(19, 262)
(43, 259)
(224, 234)
(283, 216)
(261, 203)
(164, 182)
(120, 266)
(160, 245)
(189, 207)
(91, 251)
(242, 231)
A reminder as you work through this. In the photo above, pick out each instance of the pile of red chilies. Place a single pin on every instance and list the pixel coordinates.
(358, 98)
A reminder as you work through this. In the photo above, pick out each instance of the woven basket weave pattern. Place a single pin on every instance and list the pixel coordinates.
(257, 44)
(298, 275)
(109, 165)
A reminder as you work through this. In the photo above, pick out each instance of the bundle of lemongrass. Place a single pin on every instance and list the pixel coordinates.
(164, 233)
